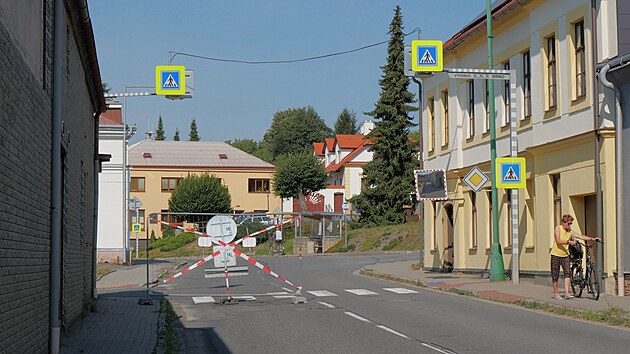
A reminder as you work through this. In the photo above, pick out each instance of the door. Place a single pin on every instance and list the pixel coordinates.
(449, 250)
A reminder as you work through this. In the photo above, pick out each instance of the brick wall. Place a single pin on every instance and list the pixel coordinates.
(25, 192)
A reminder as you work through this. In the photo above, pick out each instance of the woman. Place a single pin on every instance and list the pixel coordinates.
(564, 236)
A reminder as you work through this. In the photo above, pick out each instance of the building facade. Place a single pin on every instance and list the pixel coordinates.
(157, 167)
(563, 132)
(50, 104)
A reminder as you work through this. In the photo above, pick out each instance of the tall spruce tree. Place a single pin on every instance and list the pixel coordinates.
(159, 133)
(193, 135)
(346, 123)
(176, 135)
(389, 176)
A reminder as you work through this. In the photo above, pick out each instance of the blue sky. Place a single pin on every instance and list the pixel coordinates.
(239, 100)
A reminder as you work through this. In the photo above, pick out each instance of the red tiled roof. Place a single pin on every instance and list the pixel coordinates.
(334, 167)
(347, 141)
(319, 149)
(330, 143)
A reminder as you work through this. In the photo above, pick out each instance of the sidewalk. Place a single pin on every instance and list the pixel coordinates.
(503, 291)
(119, 324)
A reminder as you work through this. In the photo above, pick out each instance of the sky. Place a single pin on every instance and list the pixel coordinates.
(238, 101)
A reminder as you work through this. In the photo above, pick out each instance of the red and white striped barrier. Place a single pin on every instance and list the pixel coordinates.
(232, 245)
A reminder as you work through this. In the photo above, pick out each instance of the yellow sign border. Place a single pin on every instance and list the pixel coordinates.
(133, 227)
(426, 43)
(511, 160)
(182, 79)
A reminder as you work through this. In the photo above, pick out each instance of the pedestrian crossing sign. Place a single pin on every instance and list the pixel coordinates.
(170, 80)
(426, 56)
(510, 172)
(136, 227)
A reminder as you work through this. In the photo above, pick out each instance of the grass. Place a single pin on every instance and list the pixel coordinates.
(167, 338)
(403, 237)
(101, 271)
(612, 316)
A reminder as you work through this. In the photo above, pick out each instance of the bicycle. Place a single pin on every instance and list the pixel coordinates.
(583, 278)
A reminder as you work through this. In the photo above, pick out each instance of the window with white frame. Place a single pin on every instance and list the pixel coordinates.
(486, 105)
(580, 61)
(506, 97)
(431, 117)
(552, 83)
(445, 118)
(471, 108)
(527, 85)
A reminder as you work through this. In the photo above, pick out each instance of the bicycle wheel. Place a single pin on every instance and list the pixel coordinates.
(577, 280)
(593, 283)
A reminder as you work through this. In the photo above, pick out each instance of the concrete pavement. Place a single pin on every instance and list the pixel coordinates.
(120, 325)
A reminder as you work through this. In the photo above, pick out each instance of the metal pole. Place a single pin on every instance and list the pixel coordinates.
(299, 218)
(514, 153)
(137, 234)
(123, 163)
(345, 225)
(421, 166)
(497, 269)
(146, 229)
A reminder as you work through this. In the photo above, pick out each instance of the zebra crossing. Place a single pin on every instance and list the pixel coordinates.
(316, 293)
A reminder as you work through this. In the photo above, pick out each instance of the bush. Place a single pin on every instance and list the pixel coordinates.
(168, 244)
(168, 232)
(348, 248)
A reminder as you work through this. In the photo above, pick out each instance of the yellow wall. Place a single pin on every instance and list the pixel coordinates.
(154, 200)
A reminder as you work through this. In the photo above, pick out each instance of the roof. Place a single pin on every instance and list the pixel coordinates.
(319, 149)
(334, 167)
(330, 143)
(347, 141)
(499, 8)
(110, 117)
(189, 154)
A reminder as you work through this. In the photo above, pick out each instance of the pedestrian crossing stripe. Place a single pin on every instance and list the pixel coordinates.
(401, 290)
(203, 300)
(361, 292)
(321, 293)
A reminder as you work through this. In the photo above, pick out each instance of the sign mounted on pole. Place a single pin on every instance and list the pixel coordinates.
(510, 172)
(431, 184)
(426, 55)
(475, 179)
(170, 80)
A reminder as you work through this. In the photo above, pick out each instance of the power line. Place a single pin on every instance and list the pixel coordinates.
(255, 62)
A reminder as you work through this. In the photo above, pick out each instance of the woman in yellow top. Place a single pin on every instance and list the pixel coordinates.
(564, 236)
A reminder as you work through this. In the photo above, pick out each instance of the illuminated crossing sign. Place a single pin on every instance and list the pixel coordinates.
(170, 80)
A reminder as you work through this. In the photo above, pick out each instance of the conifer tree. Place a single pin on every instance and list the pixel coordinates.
(176, 136)
(159, 133)
(346, 123)
(389, 176)
(193, 135)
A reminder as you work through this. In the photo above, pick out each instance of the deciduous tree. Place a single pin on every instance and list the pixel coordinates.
(200, 194)
(298, 175)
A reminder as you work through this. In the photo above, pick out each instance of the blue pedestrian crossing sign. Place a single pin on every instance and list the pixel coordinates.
(170, 80)
(510, 172)
(426, 56)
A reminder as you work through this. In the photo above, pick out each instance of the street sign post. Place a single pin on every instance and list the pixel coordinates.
(136, 227)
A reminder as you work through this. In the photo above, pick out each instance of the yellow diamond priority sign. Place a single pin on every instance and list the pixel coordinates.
(475, 179)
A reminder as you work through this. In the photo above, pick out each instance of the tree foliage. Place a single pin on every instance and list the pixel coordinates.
(193, 135)
(159, 132)
(249, 146)
(294, 130)
(176, 135)
(200, 194)
(298, 175)
(390, 174)
(346, 123)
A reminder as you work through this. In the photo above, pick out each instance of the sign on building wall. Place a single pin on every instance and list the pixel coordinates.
(430, 184)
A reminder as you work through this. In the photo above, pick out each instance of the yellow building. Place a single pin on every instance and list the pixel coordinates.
(559, 118)
(157, 167)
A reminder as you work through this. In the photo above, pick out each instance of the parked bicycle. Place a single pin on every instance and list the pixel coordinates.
(583, 277)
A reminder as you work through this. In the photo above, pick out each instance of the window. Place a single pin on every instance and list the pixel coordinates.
(364, 185)
(431, 124)
(552, 84)
(435, 222)
(486, 104)
(471, 108)
(490, 225)
(137, 184)
(580, 64)
(473, 219)
(169, 184)
(166, 217)
(258, 185)
(136, 219)
(527, 85)
(445, 136)
(506, 97)
(508, 218)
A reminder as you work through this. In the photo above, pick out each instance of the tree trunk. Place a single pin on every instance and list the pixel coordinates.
(302, 200)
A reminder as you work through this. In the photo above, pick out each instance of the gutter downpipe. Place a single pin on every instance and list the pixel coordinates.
(56, 218)
(599, 225)
(618, 177)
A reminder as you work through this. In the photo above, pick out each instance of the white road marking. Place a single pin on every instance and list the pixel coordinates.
(435, 348)
(245, 298)
(289, 290)
(283, 296)
(357, 317)
(361, 292)
(392, 331)
(401, 290)
(328, 305)
(279, 293)
(203, 299)
(321, 293)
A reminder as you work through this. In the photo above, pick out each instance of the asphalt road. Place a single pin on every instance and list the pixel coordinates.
(348, 313)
